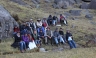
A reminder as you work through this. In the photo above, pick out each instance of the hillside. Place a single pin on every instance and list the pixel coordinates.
(83, 29)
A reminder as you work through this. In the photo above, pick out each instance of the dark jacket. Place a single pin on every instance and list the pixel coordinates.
(61, 32)
(67, 35)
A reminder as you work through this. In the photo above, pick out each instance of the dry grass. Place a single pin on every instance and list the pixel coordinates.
(82, 27)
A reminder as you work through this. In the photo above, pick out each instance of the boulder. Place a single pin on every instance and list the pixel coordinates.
(84, 5)
(7, 23)
(47, 1)
(92, 4)
(63, 3)
(36, 1)
(91, 43)
(78, 1)
(19, 2)
(86, 0)
(89, 16)
(75, 12)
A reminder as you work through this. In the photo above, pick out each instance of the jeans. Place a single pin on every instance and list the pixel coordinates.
(54, 22)
(56, 40)
(72, 44)
(22, 45)
(61, 39)
(37, 41)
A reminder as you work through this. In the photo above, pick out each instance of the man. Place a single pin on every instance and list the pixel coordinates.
(48, 36)
(70, 40)
(61, 36)
(56, 34)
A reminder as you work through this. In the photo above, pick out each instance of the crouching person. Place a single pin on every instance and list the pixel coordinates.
(70, 40)
(19, 43)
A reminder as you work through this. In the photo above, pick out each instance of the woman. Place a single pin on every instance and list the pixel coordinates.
(19, 43)
(25, 38)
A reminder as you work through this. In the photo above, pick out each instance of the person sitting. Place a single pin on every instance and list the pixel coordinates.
(19, 43)
(39, 23)
(61, 36)
(48, 36)
(70, 40)
(25, 38)
(32, 25)
(36, 39)
(44, 23)
(16, 29)
(49, 20)
(41, 36)
(56, 34)
(54, 21)
(63, 20)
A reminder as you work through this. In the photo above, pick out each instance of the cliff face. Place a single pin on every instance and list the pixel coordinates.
(6, 23)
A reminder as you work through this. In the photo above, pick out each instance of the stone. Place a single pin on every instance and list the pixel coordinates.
(92, 4)
(84, 5)
(19, 2)
(47, 1)
(63, 3)
(71, 2)
(7, 23)
(67, 14)
(86, 0)
(75, 12)
(42, 50)
(89, 16)
(78, 1)
(36, 1)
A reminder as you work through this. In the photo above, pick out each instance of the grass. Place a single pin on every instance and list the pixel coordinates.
(82, 27)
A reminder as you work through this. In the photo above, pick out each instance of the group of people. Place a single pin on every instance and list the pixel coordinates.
(40, 33)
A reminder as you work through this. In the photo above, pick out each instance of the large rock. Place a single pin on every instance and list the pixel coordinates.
(89, 16)
(92, 4)
(62, 4)
(19, 2)
(47, 1)
(36, 1)
(84, 5)
(86, 0)
(78, 1)
(75, 12)
(6, 23)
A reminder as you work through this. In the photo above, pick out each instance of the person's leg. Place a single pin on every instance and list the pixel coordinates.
(27, 43)
(61, 39)
(70, 44)
(46, 40)
(56, 40)
(52, 40)
(21, 47)
(24, 45)
(74, 45)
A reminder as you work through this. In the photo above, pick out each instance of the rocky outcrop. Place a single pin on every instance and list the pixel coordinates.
(92, 4)
(63, 3)
(6, 23)
(19, 2)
